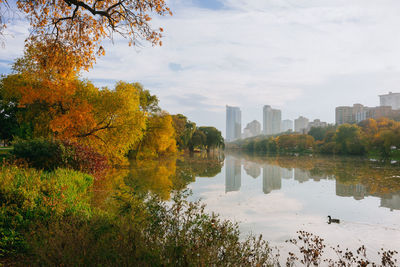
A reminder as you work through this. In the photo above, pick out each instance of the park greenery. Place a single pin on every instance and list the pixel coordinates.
(59, 204)
(378, 138)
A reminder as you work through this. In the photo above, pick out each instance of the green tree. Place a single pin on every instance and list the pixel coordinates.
(184, 130)
(148, 102)
(318, 132)
(214, 138)
(198, 140)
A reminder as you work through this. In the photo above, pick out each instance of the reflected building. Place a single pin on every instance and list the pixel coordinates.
(252, 169)
(233, 175)
(392, 203)
(357, 191)
(301, 176)
(287, 173)
(271, 178)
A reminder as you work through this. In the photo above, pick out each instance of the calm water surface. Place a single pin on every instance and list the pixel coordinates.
(277, 196)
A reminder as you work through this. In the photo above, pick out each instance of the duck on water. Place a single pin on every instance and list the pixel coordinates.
(331, 220)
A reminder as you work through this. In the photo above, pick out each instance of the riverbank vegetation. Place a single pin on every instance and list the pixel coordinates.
(370, 137)
(47, 219)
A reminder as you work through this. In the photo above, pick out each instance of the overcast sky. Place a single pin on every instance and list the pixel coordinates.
(303, 56)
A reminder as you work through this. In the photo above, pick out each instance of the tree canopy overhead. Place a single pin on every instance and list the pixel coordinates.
(81, 25)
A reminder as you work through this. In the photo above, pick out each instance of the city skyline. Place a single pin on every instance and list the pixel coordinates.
(273, 122)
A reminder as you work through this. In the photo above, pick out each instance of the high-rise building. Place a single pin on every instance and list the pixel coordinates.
(287, 125)
(343, 115)
(390, 99)
(252, 129)
(300, 124)
(271, 120)
(233, 123)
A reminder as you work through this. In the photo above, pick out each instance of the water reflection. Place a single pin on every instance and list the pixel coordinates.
(277, 196)
(392, 203)
(353, 177)
(233, 174)
(271, 178)
(252, 169)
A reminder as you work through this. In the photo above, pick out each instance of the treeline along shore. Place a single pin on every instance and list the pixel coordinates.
(378, 138)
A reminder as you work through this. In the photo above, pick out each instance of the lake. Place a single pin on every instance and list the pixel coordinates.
(278, 195)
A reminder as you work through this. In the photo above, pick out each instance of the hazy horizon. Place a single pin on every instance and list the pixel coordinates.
(303, 57)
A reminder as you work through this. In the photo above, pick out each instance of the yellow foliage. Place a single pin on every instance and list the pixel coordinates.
(159, 138)
(119, 123)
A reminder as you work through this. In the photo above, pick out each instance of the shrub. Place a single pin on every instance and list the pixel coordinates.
(85, 159)
(50, 154)
(145, 231)
(41, 153)
(30, 197)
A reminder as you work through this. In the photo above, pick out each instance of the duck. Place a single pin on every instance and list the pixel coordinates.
(330, 220)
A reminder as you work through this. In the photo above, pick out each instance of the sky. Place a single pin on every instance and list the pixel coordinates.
(304, 57)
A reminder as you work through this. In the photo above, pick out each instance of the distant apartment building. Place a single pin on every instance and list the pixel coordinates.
(252, 129)
(347, 114)
(391, 99)
(375, 113)
(233, 123)
(358, 113)
(316, 123)
(300, 124)
(271, 120)
(343, 115)
(287, 125)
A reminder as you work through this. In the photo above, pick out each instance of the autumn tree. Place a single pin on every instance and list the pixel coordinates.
(81, 25)
(148, 102)
(382, 135)
(159, 138)
(116, 124)
(349, 140)
(295, 142)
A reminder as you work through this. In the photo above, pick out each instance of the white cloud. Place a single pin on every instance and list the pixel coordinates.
(256, 52)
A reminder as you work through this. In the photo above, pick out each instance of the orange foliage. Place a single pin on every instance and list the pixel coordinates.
(81, 25)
